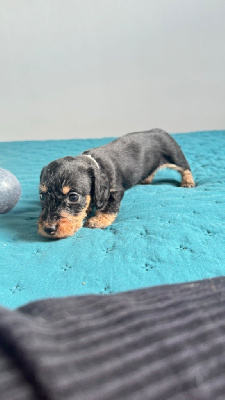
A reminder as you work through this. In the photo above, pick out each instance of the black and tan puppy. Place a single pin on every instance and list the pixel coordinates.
(100, 176)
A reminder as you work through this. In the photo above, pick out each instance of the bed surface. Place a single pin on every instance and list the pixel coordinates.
(163, 233)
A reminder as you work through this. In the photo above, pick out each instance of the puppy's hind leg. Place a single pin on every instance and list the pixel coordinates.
(149, 179)
(187, 179)
(174, 158)
(186, 175)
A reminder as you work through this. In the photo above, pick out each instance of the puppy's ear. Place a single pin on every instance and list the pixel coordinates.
(100, 189)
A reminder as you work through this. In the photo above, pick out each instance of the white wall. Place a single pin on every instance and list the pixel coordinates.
(92, 68)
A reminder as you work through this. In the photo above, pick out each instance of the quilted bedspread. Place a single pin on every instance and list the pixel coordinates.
(163, 233)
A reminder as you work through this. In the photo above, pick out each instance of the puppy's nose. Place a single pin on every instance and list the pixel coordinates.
(50, 230)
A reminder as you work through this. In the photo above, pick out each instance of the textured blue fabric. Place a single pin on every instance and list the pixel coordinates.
(163, 233)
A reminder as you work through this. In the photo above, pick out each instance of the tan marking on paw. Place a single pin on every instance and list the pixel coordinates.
(149, 179)
(187, 179)
(66, 189)
(172, 166)
(101, 220)
(67, 225)
(43, 188)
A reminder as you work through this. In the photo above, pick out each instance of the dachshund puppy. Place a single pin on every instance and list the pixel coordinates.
(100, 176)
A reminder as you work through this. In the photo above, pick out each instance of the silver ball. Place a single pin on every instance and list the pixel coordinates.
(10, 191)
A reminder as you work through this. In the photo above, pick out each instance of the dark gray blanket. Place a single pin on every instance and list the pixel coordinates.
(165, 342)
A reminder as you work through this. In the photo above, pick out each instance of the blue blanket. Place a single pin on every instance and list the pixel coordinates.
(163, 233)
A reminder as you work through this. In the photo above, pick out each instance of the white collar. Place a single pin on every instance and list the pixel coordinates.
(92, 158)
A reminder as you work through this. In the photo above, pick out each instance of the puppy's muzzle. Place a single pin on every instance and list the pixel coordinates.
(50, 230)
(63, 225)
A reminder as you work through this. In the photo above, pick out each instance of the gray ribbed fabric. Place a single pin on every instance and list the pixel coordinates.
(160, 343)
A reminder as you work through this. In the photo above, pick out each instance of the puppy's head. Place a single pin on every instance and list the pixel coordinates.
(67, 186)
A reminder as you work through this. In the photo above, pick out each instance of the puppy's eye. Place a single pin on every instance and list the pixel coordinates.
(42, 196)
(73, 197)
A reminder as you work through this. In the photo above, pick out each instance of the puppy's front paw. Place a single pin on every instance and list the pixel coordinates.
(93, 222)
(101, 220)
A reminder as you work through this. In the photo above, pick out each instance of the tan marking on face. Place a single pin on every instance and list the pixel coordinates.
(67, 225)
(187, 178)
(43, 188)
(66, 189)
(101, 220)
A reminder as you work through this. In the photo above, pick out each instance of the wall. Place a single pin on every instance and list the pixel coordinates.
(72, 68)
